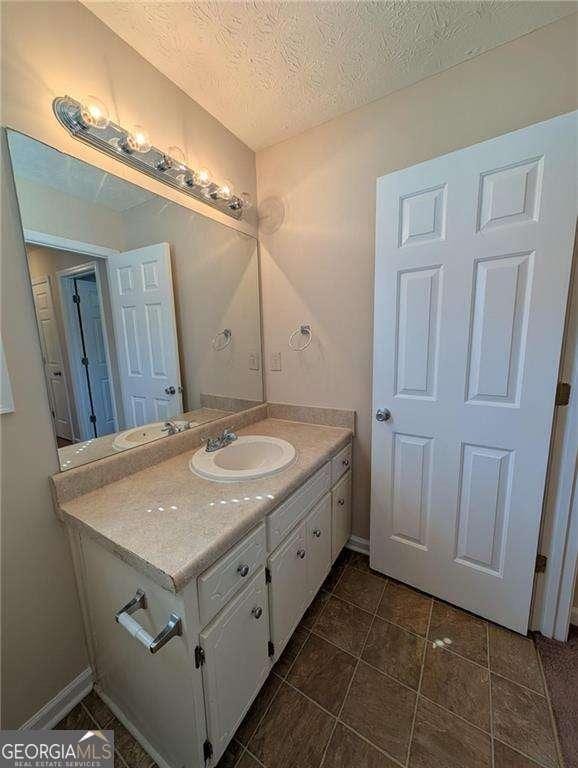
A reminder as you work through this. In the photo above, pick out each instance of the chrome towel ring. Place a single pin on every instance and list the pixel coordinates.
(303, 330)
(227, 337)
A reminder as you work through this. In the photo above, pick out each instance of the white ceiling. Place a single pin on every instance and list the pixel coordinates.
(269, 70)
(44, 165)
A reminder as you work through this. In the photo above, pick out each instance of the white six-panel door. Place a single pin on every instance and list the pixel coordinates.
(473, 257)
(141, 294)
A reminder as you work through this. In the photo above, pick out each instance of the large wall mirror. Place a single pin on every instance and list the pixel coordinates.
(148, 313)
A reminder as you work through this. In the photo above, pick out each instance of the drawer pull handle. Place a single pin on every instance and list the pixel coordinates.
(341, 502)
(243, 570)
(301, 554)
(173, 627)
(317, 533)
(257, 612)
(345, 462)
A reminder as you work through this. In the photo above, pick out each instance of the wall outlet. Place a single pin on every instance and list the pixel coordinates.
(275, 361)
(254, 361)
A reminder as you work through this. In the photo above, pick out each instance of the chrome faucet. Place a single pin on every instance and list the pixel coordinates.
(221, 441)
(172, 427)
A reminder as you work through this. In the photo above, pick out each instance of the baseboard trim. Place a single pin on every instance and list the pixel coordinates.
(58, 707)
(357, 544)
(574, 616)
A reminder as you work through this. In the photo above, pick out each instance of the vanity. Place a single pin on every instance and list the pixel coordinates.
(191, 587)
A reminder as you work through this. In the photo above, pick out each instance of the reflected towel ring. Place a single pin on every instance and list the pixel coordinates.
(303, 330)
(227, 337)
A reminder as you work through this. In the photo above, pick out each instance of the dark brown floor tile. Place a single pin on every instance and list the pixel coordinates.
(257, 709)
(381, 710)
(458, 685)
(522, 720)
(231, 757)
(405, 607)
(504, 757)
(323, 672)
(333, 577)
(348, 750)
(98, 709)
(359, 560)
(362, 589)
(247, 761)
(77, 719)
(344, 624)
(441, 740)
(467, 633)
(293, 734)
(317, 605)
(291, 650)
(515, 657)
(128, 747)
(396, 652)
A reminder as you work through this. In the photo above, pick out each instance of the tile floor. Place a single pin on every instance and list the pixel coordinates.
(378, 675)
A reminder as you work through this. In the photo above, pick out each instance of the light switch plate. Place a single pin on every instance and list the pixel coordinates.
(275, 361)
(254, 362)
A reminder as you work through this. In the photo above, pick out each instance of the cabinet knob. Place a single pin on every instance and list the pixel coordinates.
(257, 611)
(345, 462)
(301, 554)
(341, 502)
(243, 570)
(317, 533)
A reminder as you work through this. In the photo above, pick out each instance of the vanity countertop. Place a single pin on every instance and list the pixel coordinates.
(171, 524)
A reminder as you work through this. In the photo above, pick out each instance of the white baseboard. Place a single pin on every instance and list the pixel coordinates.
(574, 616)
(357, 544)
(58, 707)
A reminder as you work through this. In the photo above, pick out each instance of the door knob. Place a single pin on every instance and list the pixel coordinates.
(170, 390)
(382, 414)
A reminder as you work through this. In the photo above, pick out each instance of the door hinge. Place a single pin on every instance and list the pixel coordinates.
(207, 750)
(563, 393)
(84, 362)
(92, 418)
(199, 657)
(76, 298)
(271, 648)
(541, 563)
(267, 575)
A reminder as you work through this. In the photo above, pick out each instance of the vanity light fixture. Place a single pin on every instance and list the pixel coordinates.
(89, 122)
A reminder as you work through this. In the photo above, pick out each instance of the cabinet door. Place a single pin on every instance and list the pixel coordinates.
(236, 661)
(319, 544)
(288, 593)
(341, 518)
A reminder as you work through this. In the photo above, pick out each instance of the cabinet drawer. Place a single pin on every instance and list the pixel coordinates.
(224, 579)
(340, 463)
(341, 515)
(318, 544)
(280, 522)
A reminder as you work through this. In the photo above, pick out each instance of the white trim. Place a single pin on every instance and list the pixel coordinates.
(58, 707)
(357, 544)
(145, 744)
(34, 237)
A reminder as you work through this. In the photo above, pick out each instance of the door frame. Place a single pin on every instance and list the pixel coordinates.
(65, 283)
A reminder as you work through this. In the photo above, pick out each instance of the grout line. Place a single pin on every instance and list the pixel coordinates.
(532, 760)
(492, 753)
(455, 714)
(371, 744)
(553, 725)
(412, 730)
(515, 682)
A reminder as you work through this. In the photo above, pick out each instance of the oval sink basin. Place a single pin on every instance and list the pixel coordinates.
(141, 435)
(249, 457)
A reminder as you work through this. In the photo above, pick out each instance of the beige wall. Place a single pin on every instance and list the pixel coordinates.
(50, 49)
(317, 266)
(42, 640)
(54, 48)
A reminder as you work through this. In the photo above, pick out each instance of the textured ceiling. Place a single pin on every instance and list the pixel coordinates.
(41, 164)
(269, 70)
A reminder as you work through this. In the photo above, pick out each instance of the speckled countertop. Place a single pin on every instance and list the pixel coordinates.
(172, 525)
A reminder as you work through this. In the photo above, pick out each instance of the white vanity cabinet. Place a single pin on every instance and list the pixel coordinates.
(185, 702)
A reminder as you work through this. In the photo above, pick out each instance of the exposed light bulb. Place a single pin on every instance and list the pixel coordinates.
(93, 113)
(246, 200)
(137, 140)
(225, 191)
(202, 177)
(178, 157)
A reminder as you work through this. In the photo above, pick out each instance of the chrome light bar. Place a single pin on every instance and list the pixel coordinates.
(119, 143)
